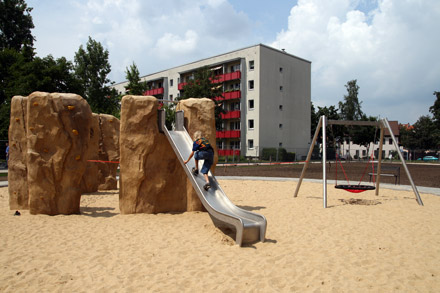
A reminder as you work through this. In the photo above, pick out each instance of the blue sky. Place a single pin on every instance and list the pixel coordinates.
(389, 46)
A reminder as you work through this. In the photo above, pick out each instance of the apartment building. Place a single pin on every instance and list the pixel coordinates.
(266, 96)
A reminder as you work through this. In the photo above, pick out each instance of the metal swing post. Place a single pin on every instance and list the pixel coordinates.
(416, 192)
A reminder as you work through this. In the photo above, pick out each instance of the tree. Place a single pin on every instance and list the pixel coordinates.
(15, 25)
(44, 74)
(134, 86)
(424, 133)
(435, 109)
(407, 137)
(204, 85)
(350, 109)
(91, 69)
(364, 135)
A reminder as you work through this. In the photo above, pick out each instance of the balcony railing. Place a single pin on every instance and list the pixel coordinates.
(230, 96)
(181, 85)
(231, 115)
(227, 77)
(228, 153)
(228, 134)
(218, 79)
(154, 92)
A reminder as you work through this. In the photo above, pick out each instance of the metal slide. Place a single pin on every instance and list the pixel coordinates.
(250, 227)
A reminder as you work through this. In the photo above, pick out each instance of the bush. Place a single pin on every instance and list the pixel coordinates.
(283, 155)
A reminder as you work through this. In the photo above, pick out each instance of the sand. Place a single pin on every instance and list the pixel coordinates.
(393, 245)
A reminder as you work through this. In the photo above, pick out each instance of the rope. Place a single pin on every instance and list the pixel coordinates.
(345, 174)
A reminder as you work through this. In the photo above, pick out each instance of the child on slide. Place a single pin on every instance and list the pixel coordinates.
(202, 150)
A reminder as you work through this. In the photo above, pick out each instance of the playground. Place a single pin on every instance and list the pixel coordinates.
(385, 243)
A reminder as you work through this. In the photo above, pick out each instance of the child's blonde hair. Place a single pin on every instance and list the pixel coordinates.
(197, 135)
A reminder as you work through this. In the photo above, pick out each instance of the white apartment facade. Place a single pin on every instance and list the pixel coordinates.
(266, 94)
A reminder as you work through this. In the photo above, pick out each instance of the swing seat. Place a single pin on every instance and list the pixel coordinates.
(355, 188)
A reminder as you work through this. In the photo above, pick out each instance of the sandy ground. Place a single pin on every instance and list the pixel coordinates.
(387, 244)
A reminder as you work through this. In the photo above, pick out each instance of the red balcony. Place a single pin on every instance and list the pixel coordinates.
(230, 96)
(227, 77)
(219, 78)
(181, 85)
(228, 134)
(154, 92)
(231, 115)
(228, 153)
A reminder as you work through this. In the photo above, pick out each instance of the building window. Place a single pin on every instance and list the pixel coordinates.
(281, 69)
(234, 125)
(171, 97)
(250, 143)
(281, 88)
(235, 145)
(280, 144)
(251, 84)
(235, 67)
(280, 126)
(251, 104)
(281, 107)
(390, 141)
(171, 82)
(251, 65)
(251, 123)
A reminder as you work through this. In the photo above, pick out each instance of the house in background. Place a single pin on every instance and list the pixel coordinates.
(266, 96)
(355, 151)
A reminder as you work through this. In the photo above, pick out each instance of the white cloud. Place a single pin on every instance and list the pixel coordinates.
(391, 51)
(154, 34)
(174, 45)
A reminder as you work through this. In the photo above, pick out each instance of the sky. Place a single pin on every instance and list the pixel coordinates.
(391, 47)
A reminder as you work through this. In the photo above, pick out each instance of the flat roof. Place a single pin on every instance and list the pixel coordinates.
(215, 56)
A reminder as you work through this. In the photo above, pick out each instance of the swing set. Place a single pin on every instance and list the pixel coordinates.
(354, 188)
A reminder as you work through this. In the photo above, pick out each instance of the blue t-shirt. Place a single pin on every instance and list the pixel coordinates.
(201, 144)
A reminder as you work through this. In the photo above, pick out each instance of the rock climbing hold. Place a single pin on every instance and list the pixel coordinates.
(70, 107)
(78, 157)
(74, 131)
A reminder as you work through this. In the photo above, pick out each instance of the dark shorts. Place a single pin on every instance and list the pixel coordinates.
(208, 156)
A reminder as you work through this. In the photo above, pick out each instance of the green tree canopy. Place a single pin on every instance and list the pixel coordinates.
(134, 86)
(435, 109)
(204, 86)
(15, 25)
(350, 109)
(424, 129)
(91, 69)
(364, 135)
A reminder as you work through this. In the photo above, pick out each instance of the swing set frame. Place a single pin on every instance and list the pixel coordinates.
(382, 124)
